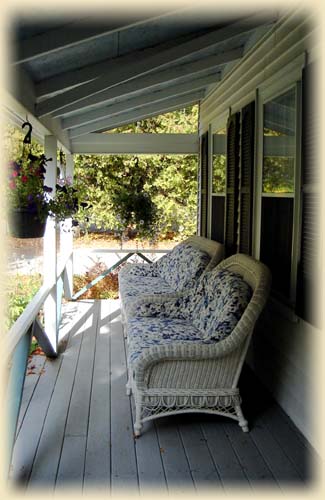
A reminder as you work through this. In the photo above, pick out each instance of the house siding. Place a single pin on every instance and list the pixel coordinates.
(284, 345)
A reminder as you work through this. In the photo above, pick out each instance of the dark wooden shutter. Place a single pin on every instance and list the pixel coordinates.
(232, 178)
(306, 299)
(203, 189)
(246, 178)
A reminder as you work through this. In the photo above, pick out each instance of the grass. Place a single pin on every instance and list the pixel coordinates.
(21, 289)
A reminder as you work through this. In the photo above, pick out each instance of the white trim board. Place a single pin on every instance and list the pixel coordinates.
(136, 144)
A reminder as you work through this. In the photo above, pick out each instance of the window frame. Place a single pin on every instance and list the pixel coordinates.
(219, 123)
(265, 94)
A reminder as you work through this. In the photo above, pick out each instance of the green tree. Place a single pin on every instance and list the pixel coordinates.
(169, 181)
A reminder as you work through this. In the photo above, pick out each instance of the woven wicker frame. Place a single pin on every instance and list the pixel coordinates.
(169, 379)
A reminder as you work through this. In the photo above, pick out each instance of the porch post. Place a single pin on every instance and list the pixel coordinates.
(66, 241)
(50, 248)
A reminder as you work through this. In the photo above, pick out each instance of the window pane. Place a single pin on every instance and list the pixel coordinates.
(276, 241)
(279, 144)
(219, 161)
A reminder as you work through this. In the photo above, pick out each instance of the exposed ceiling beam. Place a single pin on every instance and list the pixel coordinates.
(139, 114)
(130, 104)
(145, 65)
(56, 84)
(73, 34)
(142, 83)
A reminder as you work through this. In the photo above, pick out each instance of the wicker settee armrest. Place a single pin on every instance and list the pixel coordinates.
(189, 352)
(196, 351)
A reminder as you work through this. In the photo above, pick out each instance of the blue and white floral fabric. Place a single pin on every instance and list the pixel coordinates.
(158, 331)
(206, 314)
(182, 266)
(219, 304)
(133, 287)
(175, 271)
(139, 269)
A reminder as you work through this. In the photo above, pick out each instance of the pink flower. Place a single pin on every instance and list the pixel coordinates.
(12, 185)
(14, 173)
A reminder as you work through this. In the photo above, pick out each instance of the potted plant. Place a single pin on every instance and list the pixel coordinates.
(135, 214)
(30, 201)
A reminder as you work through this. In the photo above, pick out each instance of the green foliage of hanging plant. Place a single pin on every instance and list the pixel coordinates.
(135, 212)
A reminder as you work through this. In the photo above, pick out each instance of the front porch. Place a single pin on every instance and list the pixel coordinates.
(75, 426)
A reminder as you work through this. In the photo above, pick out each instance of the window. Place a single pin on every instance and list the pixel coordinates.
(278, 189)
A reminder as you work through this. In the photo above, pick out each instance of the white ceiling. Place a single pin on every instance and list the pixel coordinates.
(93, 75)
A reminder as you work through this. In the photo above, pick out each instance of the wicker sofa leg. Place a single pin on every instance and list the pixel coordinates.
(128, 388)
(138, 422)
(241, 419)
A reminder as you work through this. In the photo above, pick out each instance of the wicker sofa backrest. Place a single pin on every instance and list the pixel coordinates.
(254, 272)
(218, 303)
(237, 287)
(182, 266)
(214, 249)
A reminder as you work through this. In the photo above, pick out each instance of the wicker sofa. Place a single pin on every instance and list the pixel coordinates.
(170, 276)
(185, 353)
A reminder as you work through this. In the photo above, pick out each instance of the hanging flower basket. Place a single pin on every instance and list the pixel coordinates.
(25, 224)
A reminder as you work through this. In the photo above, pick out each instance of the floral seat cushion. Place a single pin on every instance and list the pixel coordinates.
(139, 269)
(182, 266)
(179, 267)
(174, 272)
(220, 300)
(147, 332)
(213, 307)
(133, 286)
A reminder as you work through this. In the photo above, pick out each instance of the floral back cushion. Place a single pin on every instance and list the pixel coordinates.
(182, 266)
(218, 303)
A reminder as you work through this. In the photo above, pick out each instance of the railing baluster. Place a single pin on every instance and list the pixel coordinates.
(15, 389)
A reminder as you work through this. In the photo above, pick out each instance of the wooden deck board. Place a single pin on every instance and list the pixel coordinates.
(250, 458)
(34, 370)
(76, 427)
(176, 466)
(149, 458)
(203, 470)
(46, 463)
(123, 459)
(225, 459)
(31, 428)
(98, 458)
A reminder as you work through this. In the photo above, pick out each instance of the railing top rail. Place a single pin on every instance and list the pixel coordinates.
(125, 250)
(21, 325)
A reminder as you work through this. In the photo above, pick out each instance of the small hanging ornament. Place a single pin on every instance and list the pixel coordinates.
(28, 136)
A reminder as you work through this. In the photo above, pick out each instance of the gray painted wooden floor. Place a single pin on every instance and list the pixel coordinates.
(75, 427)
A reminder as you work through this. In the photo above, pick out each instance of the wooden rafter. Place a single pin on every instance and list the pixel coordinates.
(136, 102)
(138, 114)
(79, 32)
(147, 64)
(137, 84)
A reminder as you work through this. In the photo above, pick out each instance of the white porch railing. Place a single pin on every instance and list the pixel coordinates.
(18, 339)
